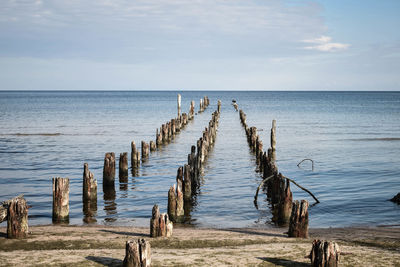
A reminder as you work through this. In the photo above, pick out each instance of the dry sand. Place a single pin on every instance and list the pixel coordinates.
(104, 246)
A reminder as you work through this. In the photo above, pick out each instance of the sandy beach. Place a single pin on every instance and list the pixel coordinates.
(104, 246)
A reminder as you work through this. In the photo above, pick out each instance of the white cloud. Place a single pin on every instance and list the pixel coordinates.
(324, 44)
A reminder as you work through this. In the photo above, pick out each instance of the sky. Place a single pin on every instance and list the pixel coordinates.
(200, 45)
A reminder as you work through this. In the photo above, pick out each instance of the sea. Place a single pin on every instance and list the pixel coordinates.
(352, 137)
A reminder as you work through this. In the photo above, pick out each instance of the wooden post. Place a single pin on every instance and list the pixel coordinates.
(172, 203)
(123, 165)
(179, 179)
(191, 111)
(298, 226)
(201, 108)
(179, 105)
(17, 217)
(109, 169)
(160, 225)
(154, 221)
(273, 135)
(285, 203)
(324, 254)
(187, 183)
(135, 156)
(179, 205)
(153, 146)
(89, 184)
(89, 195)
(145, 151)
(60, 200)
(137, 254)
(219, 106)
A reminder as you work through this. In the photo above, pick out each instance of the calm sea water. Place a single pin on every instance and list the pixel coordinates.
(353, 137)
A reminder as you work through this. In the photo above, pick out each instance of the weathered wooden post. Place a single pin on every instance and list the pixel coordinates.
(187, 183)
(89, 184)
(153, 146)
(17, 217)
(172, 203)
(60, 200)
(298, 226)
(201, 108)
(145, 151)
(109, 169)
(123, 166)
(135, 156)
(179, 105)
(273, 140)
(89, 195)
(324, 254)
(154, 221)
(191, 111)
(159, 138)
(160, 225)
(285, 202)
(180, 212)
(137, 254)
(219, 106)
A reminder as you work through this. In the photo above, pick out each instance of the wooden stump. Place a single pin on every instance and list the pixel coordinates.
(324, 254)
(179, 205)
(273, 135)
(219, 106)
(154, 221)
(172, 203)
(145, 151)
(89, 184)
(109, 169)
(160, 225)
(135, 156)
(285, 202)
(187, 183)
(153, 146)
(298, 226)
(137, 254)
(60, 200)
(89, 195)
(179, 105)
(17, 218)
(159, 139)
(191, 111)
(179, 179)
(123, 166)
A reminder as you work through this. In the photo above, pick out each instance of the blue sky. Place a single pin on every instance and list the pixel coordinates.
(200, 44)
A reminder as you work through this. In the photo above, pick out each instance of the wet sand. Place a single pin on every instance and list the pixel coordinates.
(104, 246)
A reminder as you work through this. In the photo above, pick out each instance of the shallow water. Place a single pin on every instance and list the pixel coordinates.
(353, 137)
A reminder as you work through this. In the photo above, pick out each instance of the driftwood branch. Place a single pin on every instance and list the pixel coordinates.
(312, 163)
(258, 189)
(302, 188)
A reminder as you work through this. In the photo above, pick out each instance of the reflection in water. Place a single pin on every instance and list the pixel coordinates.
(123, 184)
(135, 171)
(90, 210)
(110, 206)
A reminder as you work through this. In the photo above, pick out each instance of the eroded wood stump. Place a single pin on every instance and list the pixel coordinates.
(89, 195)
(219, 106)
(187, 183)
(273, 135)
(145, 150)
(60, 200)
(137, 254)
(109, 169)
(17, 217)
(135, 156)
(324, 254)
(285, 202)
(179, 105)
(298, 225)
(123, 166)
(172, 203)
(160, 225)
